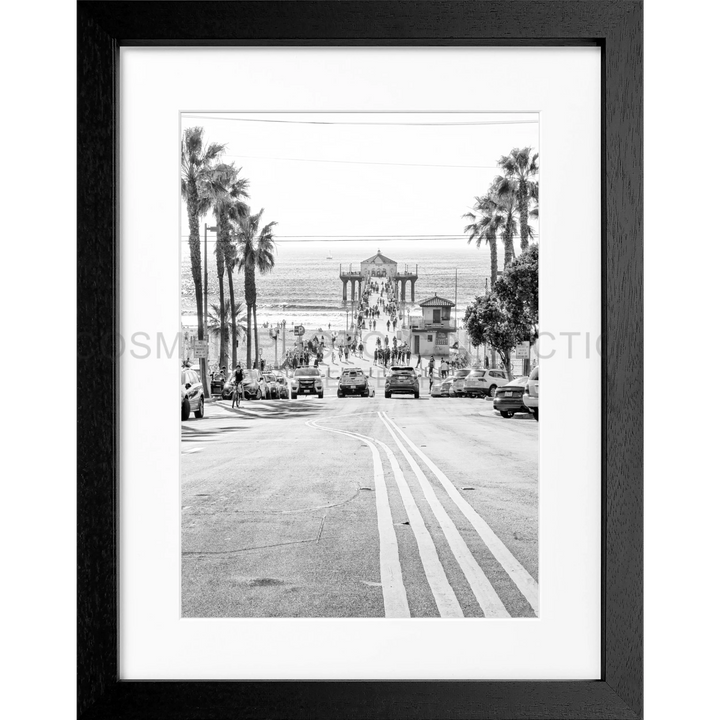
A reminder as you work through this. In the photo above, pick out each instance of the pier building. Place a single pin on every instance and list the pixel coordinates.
(378, 266)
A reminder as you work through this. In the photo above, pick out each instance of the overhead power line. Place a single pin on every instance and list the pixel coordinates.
(364, 162)
(332, 122)
(349, 238)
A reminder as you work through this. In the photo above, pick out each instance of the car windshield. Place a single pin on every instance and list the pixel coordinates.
(308, 371)
(402, 371)
(535, 374)
(477, 373)
(462, 373)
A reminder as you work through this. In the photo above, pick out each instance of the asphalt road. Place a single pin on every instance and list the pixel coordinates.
(359, 507)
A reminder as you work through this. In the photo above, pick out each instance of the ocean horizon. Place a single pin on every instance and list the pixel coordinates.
(305, 287)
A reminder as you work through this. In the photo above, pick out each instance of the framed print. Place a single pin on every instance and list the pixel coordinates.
(343, 254)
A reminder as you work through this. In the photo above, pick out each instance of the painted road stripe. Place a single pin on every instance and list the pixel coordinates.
(525, 582)
(483, 590)
(394, 595)
(445, 598)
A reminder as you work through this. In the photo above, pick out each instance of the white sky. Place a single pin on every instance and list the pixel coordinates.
(366, 174)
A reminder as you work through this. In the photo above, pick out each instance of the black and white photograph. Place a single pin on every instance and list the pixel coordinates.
(359, 366)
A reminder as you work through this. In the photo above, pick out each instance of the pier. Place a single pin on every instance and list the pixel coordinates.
(378, 266)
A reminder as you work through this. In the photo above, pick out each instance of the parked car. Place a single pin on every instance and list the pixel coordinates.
(531, 398)
(353, 381)
(254, 386)
(272, 386)
(217, 383)
(482, 383)
(508, 399)
(192, 397)
(306, 381)
(402, 380)
(282, 386)
(457, 386)
(441, 388)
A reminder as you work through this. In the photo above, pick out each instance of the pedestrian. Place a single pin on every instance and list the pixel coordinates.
(388, 326)
(419, 362)
(347, 353)
(443, 369)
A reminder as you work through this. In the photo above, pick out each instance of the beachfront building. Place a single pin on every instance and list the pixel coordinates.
(378, 266)
(430, 334)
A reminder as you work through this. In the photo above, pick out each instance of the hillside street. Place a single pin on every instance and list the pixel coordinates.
(359, 507)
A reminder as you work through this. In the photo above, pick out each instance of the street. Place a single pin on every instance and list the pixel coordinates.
(359, 507)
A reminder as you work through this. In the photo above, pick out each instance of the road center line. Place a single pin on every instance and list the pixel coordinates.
(445, 598)
(394, 595)
(525, 582)
(483, 590)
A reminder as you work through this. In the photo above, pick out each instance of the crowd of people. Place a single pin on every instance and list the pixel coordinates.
(367, 315)
(377, 299)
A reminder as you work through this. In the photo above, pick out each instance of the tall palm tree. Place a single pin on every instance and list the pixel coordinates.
(196, 163)
(521, 168)
(237, 210)
(224, 188)
(218, 321)
(256, 253)
(508, 206)
(485, 222)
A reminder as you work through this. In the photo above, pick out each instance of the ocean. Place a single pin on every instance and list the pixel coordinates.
(305, 287)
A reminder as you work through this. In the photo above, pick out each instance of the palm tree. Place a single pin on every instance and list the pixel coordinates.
(256, 250)
(223, 189)
(219, 317)
(195, 166)
(520, 168)
(485, 223)
(237, 210)
(508, 206)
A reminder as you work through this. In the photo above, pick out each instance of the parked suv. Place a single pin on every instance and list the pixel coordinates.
(306, 381)
(402, 381)
(531, 399)
(480, 382)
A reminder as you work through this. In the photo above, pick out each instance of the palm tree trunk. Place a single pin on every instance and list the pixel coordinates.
(523, 208)
(248, 305)
(508, 241)
(233, 319)
(257, 344)
(223, 320)
(197, 274)
(493, 260)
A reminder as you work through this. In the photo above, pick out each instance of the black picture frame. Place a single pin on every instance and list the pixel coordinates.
(613, 25)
